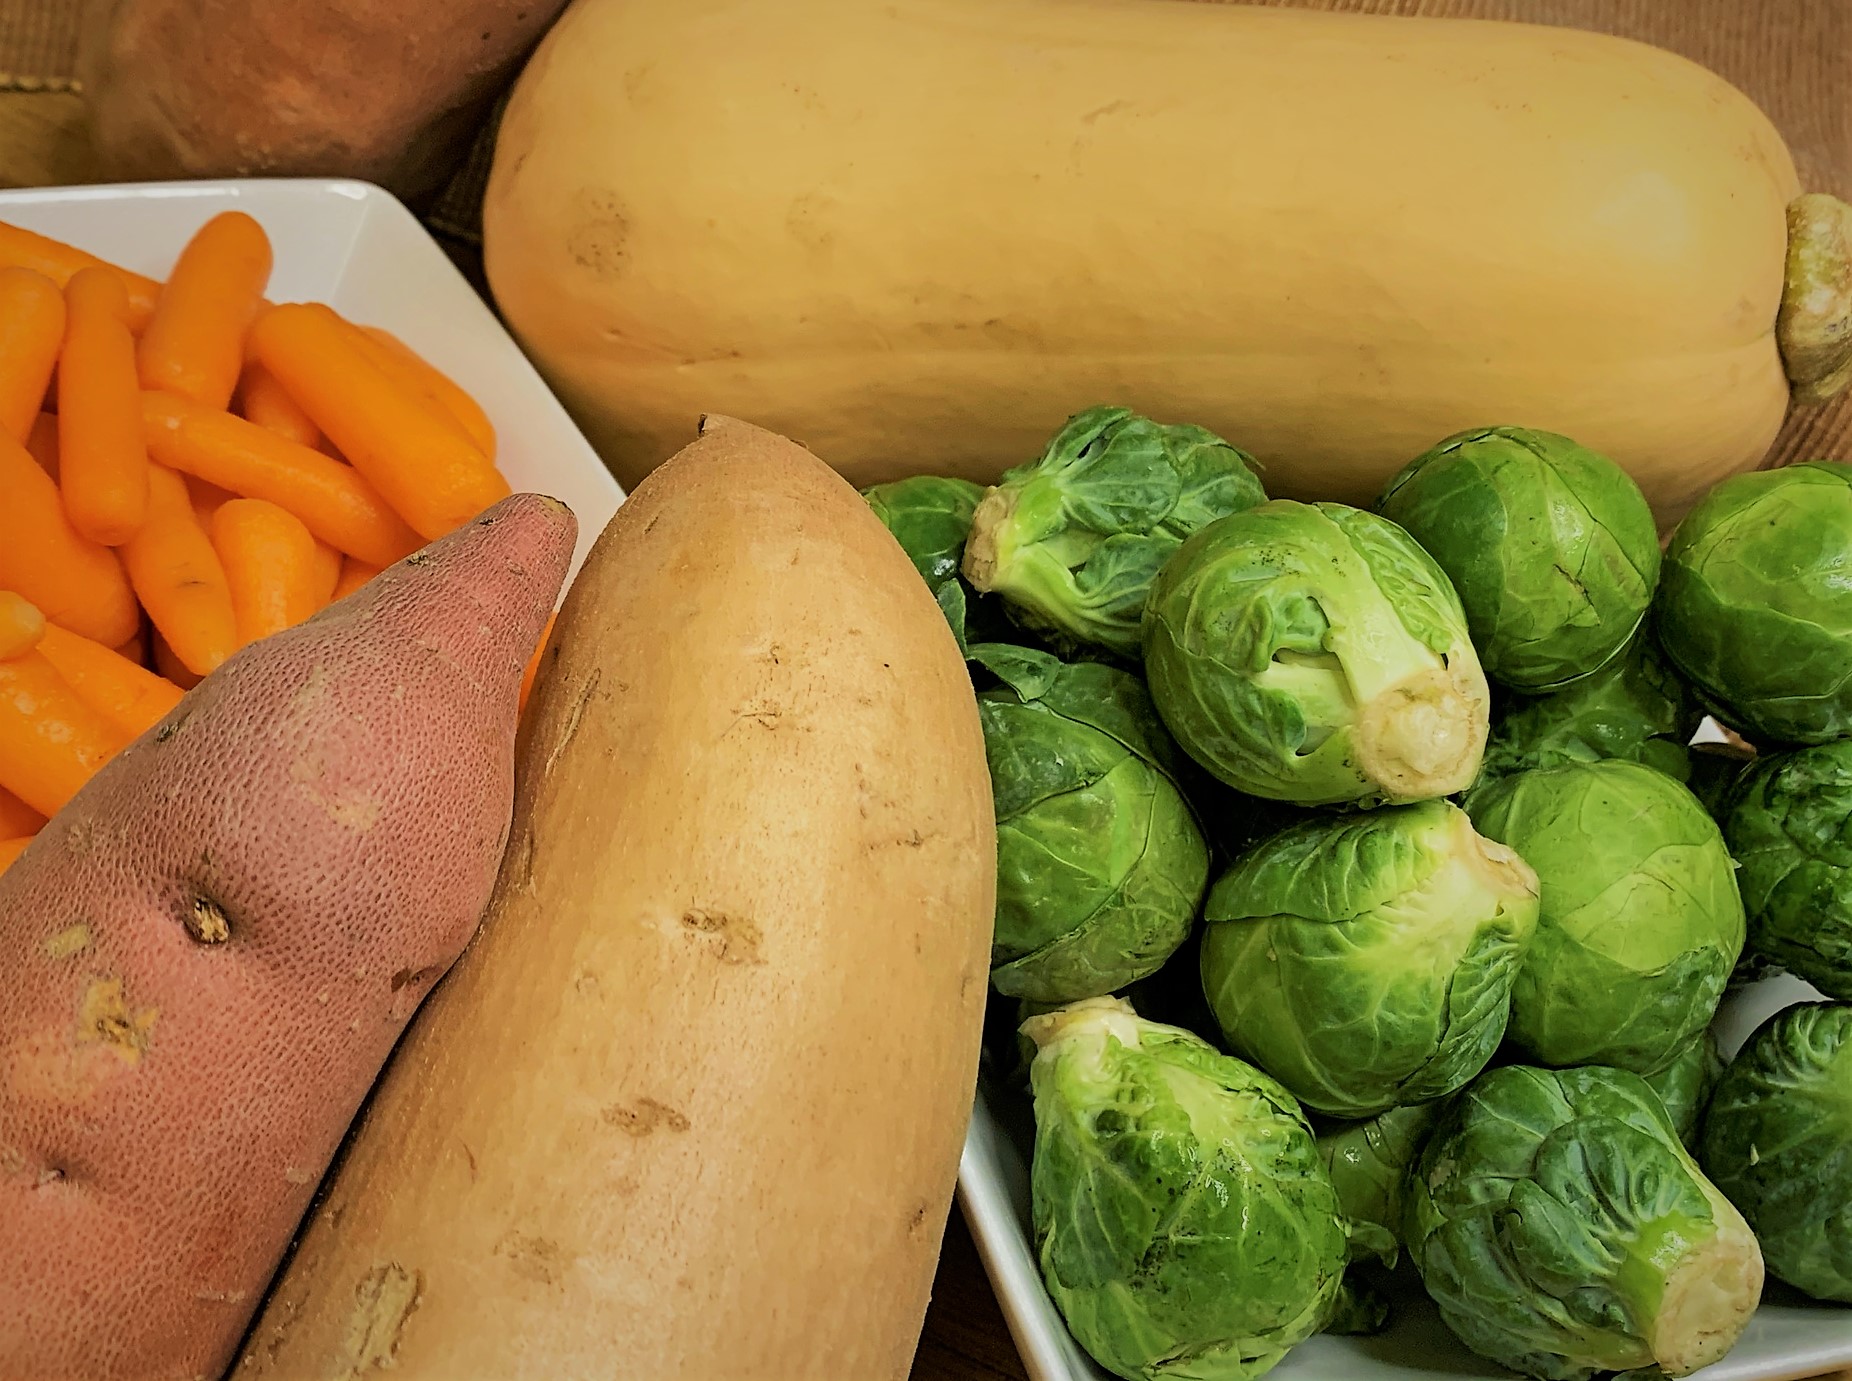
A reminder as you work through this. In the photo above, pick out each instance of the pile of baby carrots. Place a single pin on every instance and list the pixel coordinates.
(186, 468)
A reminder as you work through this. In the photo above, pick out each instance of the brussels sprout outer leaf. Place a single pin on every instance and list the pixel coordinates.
(1685, 1085)
(1640, 923)
(1183, 1221)
(1564, 1231)
(1370, 1163)
(1754, 608)
(1778, 1141)
(1368, 961)
(1789, 827)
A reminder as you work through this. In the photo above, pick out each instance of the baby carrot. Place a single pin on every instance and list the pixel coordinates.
(354, 574)
(129, 696)
(21, 625)
(11, 849)
(333, 500)
(16, 817)
(24, 248)
(51, 743)
(327, 574)
(102, 460)
(42, 441)
(434, 478)
(179, 579)
(170, 667)
(194, 343)
(31, 332)
(76, 582)
(261, 399)
(270, 564)
(134, 650)
(398, 361)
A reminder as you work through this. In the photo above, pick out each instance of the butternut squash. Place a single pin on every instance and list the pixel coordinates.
(691, 1106)
(919, 234)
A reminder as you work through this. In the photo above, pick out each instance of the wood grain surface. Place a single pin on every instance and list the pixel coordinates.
(1792, 56)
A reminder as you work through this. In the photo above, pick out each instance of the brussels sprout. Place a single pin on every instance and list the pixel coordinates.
(1184, 1223)
(1313, 653)
(1360, 1307)
(1713, 779)
(1369, 1164)
(1100, 865)
(930, 516)
(1552, 548)
(1778, 1141)
(1685, 1085)
(1640, 922)
(1367, 960)
(1789, 826)
(1632, 708)
(1563, 1230)
(1755, 609)
(1073, 539)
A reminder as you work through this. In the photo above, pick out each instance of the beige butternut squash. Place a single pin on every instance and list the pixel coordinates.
(691, 1106)
(919, 234)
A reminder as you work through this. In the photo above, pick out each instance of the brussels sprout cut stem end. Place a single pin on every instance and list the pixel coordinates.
(1422, 738)
(1814, 328)
(1709, 1296)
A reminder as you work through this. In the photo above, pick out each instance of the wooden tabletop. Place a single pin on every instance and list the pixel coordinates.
(1790, 55)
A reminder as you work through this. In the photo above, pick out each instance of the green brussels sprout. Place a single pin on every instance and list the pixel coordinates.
(1789, 827)
(1100, 865)
(1369, 1164)
(1640, 923)
(1755, 609)
(930, 516)
(1368, 960)
(1073, 539)
(1552, 548)
(1313, 653)
(1564, 1231)
(1778, 1141)
(1685, 1085)
(1632, 708)
(1183, 1220)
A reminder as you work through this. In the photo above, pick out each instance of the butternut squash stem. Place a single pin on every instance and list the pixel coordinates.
(1814, 328)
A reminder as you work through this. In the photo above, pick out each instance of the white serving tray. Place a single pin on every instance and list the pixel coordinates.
(1788, 1339)
(355, 247)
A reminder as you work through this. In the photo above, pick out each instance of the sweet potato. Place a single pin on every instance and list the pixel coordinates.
(210, 952)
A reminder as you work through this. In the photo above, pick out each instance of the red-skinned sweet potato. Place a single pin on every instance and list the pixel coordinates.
(211, 951)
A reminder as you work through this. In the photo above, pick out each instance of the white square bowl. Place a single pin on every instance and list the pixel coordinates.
(1789, 1338)
(355, 247)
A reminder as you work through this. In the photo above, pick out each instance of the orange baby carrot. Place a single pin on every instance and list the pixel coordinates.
(270, 564)
(51, 743)
(129, 696)
(11, 849)
(42, 442)
(399, 361)
(169, 666)
(179, 579)
(194, 343)
(533, 664)
(434, 478)
(58, 261)
(16, 817)
(261, 399)
(102, 460)
(354, 574)
(75, 582)
(333, 500)
(21, 625)
(327, 574)
(31, 333)
(135, 649)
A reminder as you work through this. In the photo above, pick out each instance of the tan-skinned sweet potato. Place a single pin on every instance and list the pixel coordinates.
(211, 951)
